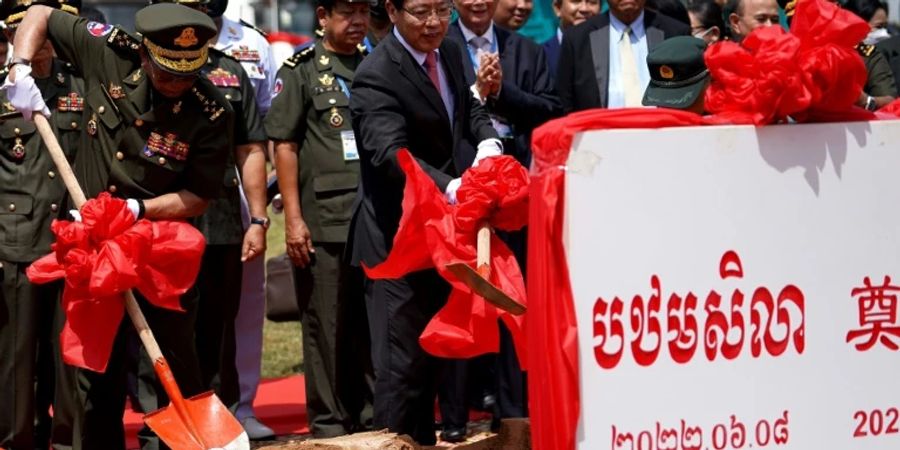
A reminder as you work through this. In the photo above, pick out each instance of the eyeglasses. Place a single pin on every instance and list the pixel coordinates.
(442, 12)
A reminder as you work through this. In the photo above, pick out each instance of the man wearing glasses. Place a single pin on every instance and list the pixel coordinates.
(409, 93)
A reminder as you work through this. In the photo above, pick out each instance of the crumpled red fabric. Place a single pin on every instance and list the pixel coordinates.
(811, 74)
(433, 233)
(106, 254)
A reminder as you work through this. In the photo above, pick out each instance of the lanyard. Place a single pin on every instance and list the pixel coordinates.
(475, 62)
(344, 88)
(368, 44)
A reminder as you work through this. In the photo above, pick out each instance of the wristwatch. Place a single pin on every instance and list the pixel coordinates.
(14, 61)
(870, 103)
(261, 221)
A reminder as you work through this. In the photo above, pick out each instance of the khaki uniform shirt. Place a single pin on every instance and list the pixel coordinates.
(138, 143)
(31, 192)
(221, 223)
(880, 78)
(311, 108)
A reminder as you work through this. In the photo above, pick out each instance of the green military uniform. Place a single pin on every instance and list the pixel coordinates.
(138, 143)
(880, 79)
(219, 281)
(311, 108)
(31, 195)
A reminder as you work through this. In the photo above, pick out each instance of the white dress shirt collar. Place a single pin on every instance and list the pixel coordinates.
(417, 55)
(637, 27)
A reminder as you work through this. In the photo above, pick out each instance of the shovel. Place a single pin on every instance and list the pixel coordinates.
(201, 422)
(478, 279)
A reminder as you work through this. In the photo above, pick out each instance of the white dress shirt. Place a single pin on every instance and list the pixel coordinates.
(639, 46)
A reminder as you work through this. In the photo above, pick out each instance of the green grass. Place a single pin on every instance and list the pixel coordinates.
(282, 342)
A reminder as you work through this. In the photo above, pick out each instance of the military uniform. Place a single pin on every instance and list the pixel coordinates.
(31, 195)
(219, 281)
(141, 144)
(880, 78)
(311, 108)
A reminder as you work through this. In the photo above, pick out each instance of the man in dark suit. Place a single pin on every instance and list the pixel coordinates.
(410, 92)
(569, 12)
(616, 44)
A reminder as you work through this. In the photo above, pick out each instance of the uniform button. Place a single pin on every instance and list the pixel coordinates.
(101, 109)
(54, 207)
(113, 188)
(12, 206)
(74, 125)
(227, 96)
(331, 101)
(234, 181)
(51, 174)
(120, 156)
(17, 131)
(162, 161)
(138, 122)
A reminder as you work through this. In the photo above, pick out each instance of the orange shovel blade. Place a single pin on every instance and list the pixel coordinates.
(204, 424)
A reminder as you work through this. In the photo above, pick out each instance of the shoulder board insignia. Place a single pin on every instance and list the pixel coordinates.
(253, 27)
(362, 49)
(209, 104)
(865, 49)
(305, 53)
(120, 39)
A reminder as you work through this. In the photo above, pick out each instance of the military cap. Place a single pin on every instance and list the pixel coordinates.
(378, 11)
(13, 11)
(678, 73)
(175, 36)
(196, 4)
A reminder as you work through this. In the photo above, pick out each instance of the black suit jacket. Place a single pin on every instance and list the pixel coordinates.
(551, 49)
(394, 105)
(527, 98)
(582, 79)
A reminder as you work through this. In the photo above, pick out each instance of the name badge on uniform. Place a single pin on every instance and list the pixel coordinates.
(348, 140)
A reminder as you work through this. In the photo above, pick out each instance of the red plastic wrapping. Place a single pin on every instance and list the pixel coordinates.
(106, 254)
(812, 74)
(433, 233)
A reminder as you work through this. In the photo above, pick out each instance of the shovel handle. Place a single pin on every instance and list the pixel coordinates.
(68, 177)
(483, 257)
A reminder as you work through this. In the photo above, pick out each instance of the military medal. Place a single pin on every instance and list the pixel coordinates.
(92, 125)
(70, 103)
(335, 120)
(19, 149)
(326, 79)
(223, 78)
(116, 91)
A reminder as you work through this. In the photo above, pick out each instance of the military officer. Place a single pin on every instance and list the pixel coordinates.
(249, 46)
(31, 196)
(318, 171)
(880, 88)
(157, 135)
(219, 281)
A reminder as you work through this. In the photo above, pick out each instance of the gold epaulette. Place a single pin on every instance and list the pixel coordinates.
(301, 56)
(865, 49)
(120, 39)
(208, 102)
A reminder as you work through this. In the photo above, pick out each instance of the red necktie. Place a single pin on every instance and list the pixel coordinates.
(431, 68)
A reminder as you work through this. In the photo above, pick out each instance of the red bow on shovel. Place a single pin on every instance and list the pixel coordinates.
(201, 422)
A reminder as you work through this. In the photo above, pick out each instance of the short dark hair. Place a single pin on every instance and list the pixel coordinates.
(731, 7)
(398, 3)
(708, 12)
(671, 8)
(865, 9)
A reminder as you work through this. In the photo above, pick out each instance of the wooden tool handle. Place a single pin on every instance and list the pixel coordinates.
(68, 177)
(483, 257)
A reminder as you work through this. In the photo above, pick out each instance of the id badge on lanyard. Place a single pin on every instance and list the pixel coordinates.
(348, 139)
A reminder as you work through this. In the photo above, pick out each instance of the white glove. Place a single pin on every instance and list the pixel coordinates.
(450, 192)
(486, 149)
(135, 207)
(23, 94)
(75, 215)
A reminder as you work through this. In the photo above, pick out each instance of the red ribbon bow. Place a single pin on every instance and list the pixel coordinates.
(497, 191)
(106, 254)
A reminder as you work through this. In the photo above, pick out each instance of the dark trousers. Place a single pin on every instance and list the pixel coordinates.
(405, 376)
(336, 360)
(21, 307)
(101, 396)
(219, 287)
